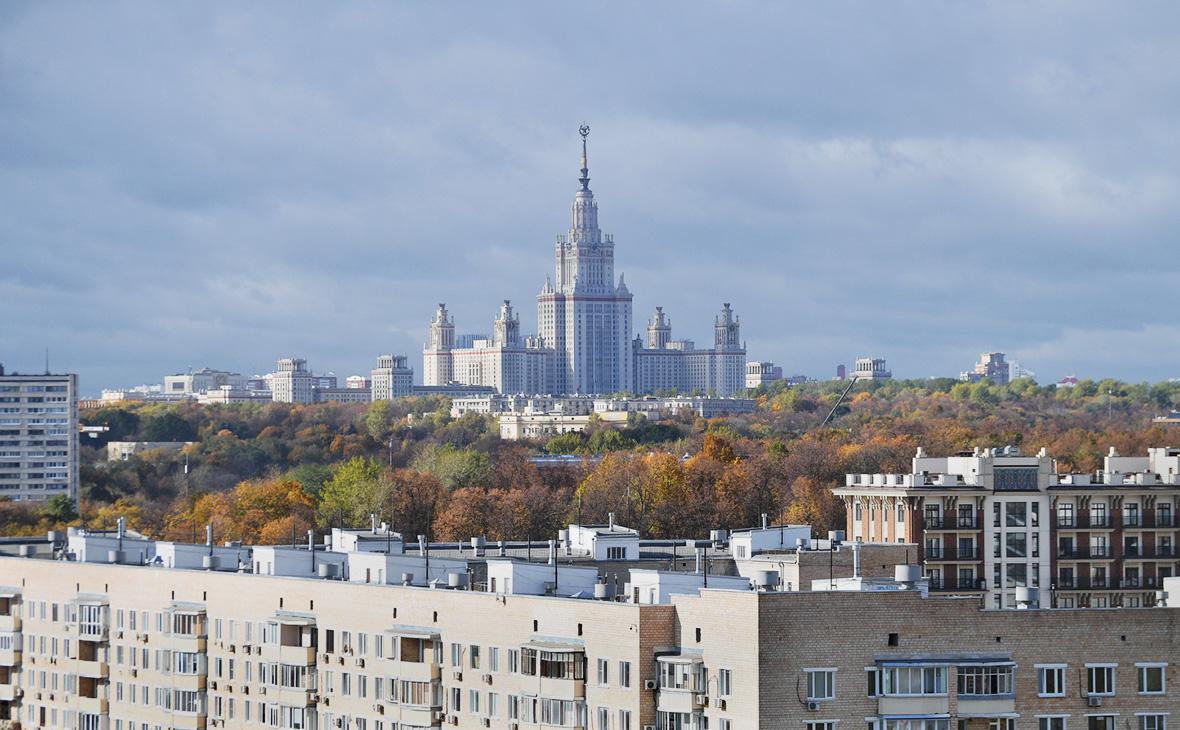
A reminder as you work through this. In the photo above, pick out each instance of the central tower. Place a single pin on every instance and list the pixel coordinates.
(582, 313)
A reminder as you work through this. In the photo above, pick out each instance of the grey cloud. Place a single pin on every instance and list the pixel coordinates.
(224, 184)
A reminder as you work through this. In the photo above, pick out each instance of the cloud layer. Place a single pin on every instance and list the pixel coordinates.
(189, 185)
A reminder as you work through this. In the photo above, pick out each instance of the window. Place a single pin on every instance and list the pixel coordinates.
(1100, 722)
(1016, 514)
(1054, 722)
(1151, 679)
(1100, 679)
(828, 725)
(1153, 722)
(603, 666)
(724, 682)
(624, 674)
(985, 680)
(473, 656)
(1051, 680)
(616, 553)
(903, 681)
(821, 684)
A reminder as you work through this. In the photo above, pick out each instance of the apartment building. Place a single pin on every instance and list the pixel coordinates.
(997, 523)
(38, 436)
(113, 646)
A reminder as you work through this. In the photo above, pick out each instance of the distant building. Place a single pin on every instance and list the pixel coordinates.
(38, 436)
(1172, 419)
(841, 372)
(227, 394)
(392, 378)
(359, 382)
(199, 381)
(1016, 371)
(1069, 381)
(292, 382)
(871, 368)
(992, 366)
(124, 450)
(341, 395)
(545, 416)
(584, 342)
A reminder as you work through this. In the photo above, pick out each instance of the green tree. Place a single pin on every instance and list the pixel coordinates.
(377, 419)
(355, 491)
(59, 508)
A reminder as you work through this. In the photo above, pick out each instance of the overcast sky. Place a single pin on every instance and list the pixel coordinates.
(184, 185)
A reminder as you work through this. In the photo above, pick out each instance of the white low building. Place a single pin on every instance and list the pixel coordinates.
(603, 542)
(748, 542)
(299, 562)
(512, 577)
(657, 586)
(417, 570)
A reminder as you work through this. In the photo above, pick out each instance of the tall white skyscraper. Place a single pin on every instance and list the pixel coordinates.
(584, 332)
(583, 314)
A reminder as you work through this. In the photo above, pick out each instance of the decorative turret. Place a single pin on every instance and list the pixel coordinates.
(659, 330)
(727, 330)
(442, 329)
(506, 328)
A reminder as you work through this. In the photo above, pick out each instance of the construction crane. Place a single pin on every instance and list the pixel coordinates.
(843, 395)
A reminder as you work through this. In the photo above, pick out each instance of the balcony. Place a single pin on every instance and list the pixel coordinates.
(950, 554)
(1094, 553)
(93, 669)
(944, 585)
(952, 522)
(416, 671)
(9, 624)
(1091, 583)
(678, 700)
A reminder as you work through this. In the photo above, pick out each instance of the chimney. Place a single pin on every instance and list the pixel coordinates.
(121, 528)
(765, 521)
(611, 521)
(373, 521)
(553, 552)
(209, 534)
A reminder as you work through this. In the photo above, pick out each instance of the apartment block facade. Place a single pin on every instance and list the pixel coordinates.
(998, 523)
(38, 436)
(128, 647)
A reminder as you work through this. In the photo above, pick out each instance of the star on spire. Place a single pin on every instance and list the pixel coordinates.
(584, 130)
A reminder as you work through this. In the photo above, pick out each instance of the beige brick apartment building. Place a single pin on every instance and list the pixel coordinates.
(145, 646)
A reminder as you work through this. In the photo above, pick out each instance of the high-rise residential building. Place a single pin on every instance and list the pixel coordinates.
(584, 343)
(994, 521)
(38, 436)
(392, 378)
(358, 382)
(292, 382)
(992, 366)
(871, 368)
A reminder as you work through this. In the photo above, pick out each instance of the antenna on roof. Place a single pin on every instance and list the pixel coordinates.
(46, 360)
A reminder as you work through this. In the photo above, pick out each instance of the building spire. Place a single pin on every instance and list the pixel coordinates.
(584, 130)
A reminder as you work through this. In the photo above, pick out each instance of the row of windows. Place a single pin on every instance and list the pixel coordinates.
(987, 680)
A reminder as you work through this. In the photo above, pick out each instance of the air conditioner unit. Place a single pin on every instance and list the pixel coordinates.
(360, 663)
(340, 660)
(134, 672)
(325, 658)
(1093, 701)
(650, 684)
(246, 689)
(213, 685)
(453, 720)
(261, 690)
(119, 635)
(258, 650)
(812, 706)
(340, 722)
(649, 727)
(313, 698)
(458, 675)
(701, 699)
(245, 648)
(487, 679)
(486, 722)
